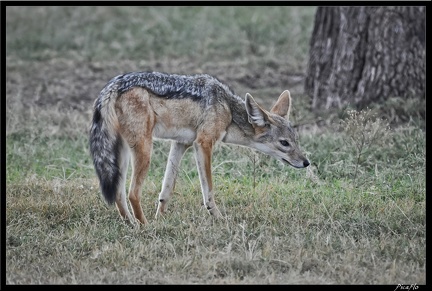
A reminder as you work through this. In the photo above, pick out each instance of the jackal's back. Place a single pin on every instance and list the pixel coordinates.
(199, 87)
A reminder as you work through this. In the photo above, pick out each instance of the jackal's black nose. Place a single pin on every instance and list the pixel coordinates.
(306, 163)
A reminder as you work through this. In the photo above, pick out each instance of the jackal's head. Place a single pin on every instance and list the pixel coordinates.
(273, 132)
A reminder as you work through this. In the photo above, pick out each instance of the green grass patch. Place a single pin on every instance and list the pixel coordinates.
(148, 32)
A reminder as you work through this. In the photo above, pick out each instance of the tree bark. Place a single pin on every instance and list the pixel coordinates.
(362, 55)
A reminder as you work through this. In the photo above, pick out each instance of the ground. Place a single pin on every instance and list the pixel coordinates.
(68, 84)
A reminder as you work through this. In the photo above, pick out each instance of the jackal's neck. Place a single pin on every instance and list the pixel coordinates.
(240, 131)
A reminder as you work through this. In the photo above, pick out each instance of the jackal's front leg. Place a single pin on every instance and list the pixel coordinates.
(176, 153)
(203, 155)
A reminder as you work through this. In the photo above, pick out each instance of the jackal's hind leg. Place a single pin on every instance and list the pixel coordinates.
(141, 155)
(121, 202)
(176, 153)
(136, 122)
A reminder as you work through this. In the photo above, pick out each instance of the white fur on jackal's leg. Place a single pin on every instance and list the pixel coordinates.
(121, 201)
(203, 154)
(175, 155)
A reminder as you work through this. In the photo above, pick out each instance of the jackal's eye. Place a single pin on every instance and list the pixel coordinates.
(284, 143)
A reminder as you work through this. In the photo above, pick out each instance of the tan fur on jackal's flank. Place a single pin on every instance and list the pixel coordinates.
(190, 110)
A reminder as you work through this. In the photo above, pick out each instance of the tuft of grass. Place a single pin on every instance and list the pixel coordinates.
(364, 133)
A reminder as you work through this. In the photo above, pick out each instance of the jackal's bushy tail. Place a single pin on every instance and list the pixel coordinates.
(106, 143)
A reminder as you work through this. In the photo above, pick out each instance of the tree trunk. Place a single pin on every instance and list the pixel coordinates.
(361, 55)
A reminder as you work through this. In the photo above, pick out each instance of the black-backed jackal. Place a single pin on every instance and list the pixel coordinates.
(190, 110)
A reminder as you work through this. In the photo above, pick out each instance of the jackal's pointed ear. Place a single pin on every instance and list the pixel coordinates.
(257, 116)
(283, 105)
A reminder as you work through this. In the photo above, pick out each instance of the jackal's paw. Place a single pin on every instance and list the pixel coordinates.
(215, 212)
(161, 210)
(136, 225)
(132, 222)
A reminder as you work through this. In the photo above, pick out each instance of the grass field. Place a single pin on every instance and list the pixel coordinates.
(356, 216)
